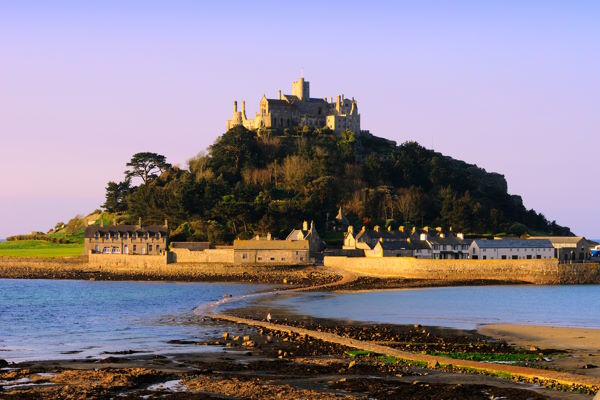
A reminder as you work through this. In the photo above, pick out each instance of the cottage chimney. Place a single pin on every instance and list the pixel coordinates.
(166, 223)
(235, 106)
(244, 106)
(331, 99)
(101, 222)
(312, 225)
(139, 224)
(364, 228)
(426, 228)
(350, 229)
(389, 228)
(279, 94)
(304, 226)
(414, 229)
(438, 228)
(269, 236)
(376, 229)
(401, 228)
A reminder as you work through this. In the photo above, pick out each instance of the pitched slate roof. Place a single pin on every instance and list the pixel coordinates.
(507, 244)
(91, 231)
(191, 246)
(270, 244)
(573, 240)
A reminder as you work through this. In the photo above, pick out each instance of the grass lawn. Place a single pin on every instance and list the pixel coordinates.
(39, 248)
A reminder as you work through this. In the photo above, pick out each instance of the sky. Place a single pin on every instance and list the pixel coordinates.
(512, 86)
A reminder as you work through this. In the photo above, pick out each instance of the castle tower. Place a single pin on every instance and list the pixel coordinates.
(301, 89)
(236, 118)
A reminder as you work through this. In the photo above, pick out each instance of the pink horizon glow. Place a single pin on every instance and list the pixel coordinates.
(511, 87)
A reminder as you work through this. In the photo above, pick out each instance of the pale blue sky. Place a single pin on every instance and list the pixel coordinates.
(513, 87)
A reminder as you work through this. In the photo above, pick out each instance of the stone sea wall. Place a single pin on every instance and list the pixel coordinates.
(223, 256)
(119, 267)
(545, 271)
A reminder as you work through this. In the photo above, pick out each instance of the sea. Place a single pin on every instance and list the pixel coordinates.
(71, 319)
(67, 319)
(463, 307)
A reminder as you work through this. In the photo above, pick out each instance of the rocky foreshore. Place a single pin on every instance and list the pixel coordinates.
(268, 364)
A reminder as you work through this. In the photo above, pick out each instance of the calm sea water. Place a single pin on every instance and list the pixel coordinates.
(458, 307)
(54, 319)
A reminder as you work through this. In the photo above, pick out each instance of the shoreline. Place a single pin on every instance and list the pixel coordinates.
(270, 364)
(297, 358)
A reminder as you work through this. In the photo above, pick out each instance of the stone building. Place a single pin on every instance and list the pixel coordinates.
(126, 239)
(511, 249)
(567, 248)
(308, 233)
(271, 251)
(299, 109)
(420, 243)
(300, 247)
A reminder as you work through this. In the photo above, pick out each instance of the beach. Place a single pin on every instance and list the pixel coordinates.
(298, 356)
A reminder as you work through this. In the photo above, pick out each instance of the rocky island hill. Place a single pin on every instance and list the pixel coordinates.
(253, 182)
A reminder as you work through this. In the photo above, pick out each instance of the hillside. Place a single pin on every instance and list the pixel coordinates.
(249, 183)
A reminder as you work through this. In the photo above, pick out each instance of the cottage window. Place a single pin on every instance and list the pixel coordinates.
(244, 256)
(259, 258)
(134, 248)
(149, 248)
(272, 258)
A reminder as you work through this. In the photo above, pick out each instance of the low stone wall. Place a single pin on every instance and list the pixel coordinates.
(79, 268)
(205, 256)
(545, 271)
(127, 261)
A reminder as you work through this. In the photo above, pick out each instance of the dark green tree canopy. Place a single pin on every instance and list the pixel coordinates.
(146, 166)
(248, 183)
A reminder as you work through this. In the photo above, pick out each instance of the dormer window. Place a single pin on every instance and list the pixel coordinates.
(125, 235)
(134, 235)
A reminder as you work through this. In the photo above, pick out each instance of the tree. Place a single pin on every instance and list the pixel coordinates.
(146, 166)
(116, 196)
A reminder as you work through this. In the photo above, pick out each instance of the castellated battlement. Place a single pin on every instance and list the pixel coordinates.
(299, 109)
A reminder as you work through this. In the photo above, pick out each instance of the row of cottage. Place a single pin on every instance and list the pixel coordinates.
(304, 245)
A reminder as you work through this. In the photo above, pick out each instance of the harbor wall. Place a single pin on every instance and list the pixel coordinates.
(223, 256)
(544, 271)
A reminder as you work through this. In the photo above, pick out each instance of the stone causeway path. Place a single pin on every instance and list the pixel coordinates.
(524, 373)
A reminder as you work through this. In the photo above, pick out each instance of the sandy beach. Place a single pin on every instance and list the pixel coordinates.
(582, 344)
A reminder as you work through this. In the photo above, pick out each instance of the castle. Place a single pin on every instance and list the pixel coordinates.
(299, 110)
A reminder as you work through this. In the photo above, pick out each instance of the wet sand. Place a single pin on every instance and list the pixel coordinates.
(582, 344)
(266, 364)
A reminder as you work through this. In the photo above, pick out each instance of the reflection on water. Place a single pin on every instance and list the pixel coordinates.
(53, 319)
(458, 307)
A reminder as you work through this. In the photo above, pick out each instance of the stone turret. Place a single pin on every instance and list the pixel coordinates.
(301, 89)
